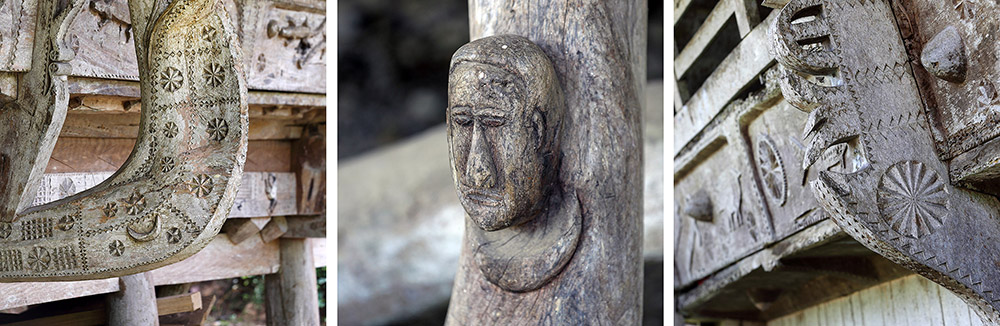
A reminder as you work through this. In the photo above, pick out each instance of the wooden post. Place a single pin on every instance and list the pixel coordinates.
(134, 303)
(597, 48)
(291, 293)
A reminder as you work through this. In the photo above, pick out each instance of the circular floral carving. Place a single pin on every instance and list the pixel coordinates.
(110, 209)
(201, 185)
(116, 248)
(912, 199)
(39, 259)
(772, 171)
(66, 222)
(134, 204)
(170, 129)
(5, 230)
(174, 235)
(214, 74)
(171, 79)
(166, 164)
(217, 129)
(209, 33)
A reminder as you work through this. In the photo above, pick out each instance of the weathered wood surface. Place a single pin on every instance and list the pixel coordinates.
(291, 293)
(82, 155)
(723, 10)
(744, 64)
(163, 306)
(134, 303)
(284, 43)
(260, 194)
(597, 55)
(849, 68)
(911, 300)
(17, 32)
(219, 260)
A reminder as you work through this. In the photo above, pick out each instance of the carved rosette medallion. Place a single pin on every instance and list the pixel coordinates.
(772, 170)
(217, 129)
(171, 79)
(116, 248)
(174, 235)
(39, 259)
(912, 199)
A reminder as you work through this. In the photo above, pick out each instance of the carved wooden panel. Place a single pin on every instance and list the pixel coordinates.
(720, 215)
(17, 31)
(284, 46)
(777, 150)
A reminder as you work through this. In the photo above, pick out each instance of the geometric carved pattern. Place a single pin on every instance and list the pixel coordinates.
(912, 199)
(134, 204)
(214, 74)
(171, 79)
(116, 248)
(64, 258)
(10, 260)
(39, 259)
(174, 235)
(217, 129)
(5, 230)
(37, 228)
(772, 171)
(200, 186)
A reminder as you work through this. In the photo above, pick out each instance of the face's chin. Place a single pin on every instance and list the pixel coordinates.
(490, 211)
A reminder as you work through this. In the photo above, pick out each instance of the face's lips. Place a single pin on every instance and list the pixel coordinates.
(482, 198)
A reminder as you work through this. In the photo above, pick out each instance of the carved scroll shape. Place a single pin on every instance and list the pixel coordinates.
(193, 130)
(504, 118)
(897, 202)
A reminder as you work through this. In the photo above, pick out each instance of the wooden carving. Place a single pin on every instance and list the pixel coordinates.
(845, 63)
(175, 190)
(505, 110)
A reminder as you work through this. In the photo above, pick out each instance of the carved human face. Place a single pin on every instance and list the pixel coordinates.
(494, 139)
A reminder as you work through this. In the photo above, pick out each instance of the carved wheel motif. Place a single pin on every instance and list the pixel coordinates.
(66, 222)
(214, 74)
(772, 170)
(134, 204)
(116, 248)
(170, 129)
(110, 209)
(217, 129)
(39, 259)
(166, 164)
(912, 199)
(201, 185)
(174, 235)
(171, 79)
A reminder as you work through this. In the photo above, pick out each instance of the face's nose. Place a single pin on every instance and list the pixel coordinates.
(479, 170)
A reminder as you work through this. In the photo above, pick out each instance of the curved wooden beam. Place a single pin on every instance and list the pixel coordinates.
(897, 199)
(172, 195)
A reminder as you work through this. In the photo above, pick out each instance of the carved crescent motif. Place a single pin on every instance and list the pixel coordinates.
(182, 175)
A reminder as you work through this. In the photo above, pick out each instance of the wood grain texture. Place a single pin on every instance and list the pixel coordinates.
(82, 155)
(17, 32)
(291, 293)
(596, 48)
(134, 303)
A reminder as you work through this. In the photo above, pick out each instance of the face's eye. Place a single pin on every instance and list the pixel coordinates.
(492, 121)
(462, 119)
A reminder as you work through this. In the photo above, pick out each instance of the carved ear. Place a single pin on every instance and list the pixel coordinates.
(538, 127)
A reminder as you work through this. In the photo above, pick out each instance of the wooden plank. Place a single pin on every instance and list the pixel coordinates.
(84, 318)
(134, 303)
(107, 154)
(178, 303)
(83, 86)
(87, 124)
(240, 229)
(29, 293)
(309, 165)
(306, 226)
(747, 16)
(274, 229)
(706, 32)
(222, 259)
(260, 194)
(291, 293)
(743, 64)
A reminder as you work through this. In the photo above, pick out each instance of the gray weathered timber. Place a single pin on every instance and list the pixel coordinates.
(596, 49)
(172, 195)
(846, 64)
(17, 32)
(291, 293)
(134, 303)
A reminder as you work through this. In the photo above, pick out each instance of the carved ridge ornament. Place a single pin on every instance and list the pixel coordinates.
(844, 63)
(504, 117)
(172, 195)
